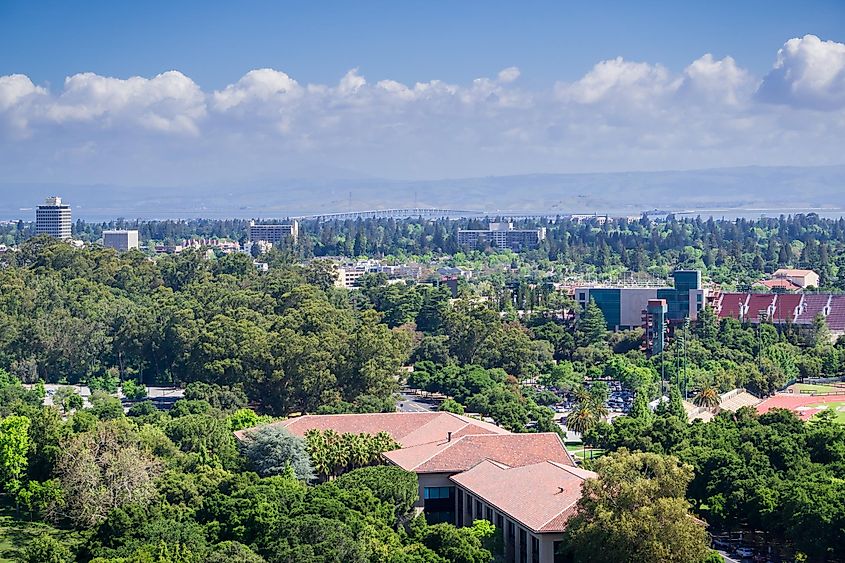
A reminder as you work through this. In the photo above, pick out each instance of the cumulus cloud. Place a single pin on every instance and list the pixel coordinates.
(716, 81)
(620, 115)
(809, 73)
(260, 85)
(169, 102)
(618, 79)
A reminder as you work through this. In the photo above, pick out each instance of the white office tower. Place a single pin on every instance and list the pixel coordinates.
(120, 240)
(53, 218)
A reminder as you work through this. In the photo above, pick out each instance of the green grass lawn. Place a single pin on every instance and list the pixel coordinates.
(837, 408)
(16, 533)
(577, 451)
(810, 387)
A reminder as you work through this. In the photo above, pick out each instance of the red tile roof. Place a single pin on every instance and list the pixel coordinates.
(780, 283)
(464, 452)
(541, 496)
(407, 428)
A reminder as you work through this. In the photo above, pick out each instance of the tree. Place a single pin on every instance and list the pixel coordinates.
(47, 549)
(14, 444)
(451, 405)
(232, 552)
(67, 399)
(103, 469)
(820, 333)
(133, 390)
(592, 327)
(393, 485)
(272, 450)
(707, 397)
(457, 545)
(635, 510)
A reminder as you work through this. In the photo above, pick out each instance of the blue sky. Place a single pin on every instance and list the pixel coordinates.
(215, 42)
(414, 89)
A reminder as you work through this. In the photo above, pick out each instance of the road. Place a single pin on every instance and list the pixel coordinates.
(413, 403)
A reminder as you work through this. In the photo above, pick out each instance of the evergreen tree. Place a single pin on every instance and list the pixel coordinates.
(592, 328)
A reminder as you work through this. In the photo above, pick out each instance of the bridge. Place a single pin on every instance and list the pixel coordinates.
(392, 213)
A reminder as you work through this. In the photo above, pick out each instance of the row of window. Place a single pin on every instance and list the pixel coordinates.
(437, 492)
(478, 512)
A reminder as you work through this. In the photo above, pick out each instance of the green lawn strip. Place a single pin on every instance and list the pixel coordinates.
(17, 532)
(837, 408)
(821, 388)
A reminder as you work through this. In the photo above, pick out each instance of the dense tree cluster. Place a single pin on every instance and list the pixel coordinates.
(72, 315)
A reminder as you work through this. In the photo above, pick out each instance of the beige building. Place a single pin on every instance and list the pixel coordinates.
(801, 278)
(120, 240)
(525, 484)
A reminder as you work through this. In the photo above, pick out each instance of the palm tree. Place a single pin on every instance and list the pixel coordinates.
(581, 419)
(708, 397)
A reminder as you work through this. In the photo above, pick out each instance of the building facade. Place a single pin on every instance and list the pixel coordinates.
(53, 218)
(120, 240)
(502, 236)
(623, 307)
(525, 484)
(273, 233)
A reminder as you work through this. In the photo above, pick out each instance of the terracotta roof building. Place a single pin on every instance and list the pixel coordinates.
(531, 504)
(525, 483)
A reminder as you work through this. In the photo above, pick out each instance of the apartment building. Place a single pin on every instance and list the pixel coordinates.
(502, 236)
(53, 218)
(273, 233)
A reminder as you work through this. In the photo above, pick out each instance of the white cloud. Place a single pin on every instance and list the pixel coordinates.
(14, 88)
(351, 83)
(808, 73)
(621, 115)
(716, 81)
(618, 79)
(508, 75)
(260, 85)
(169, 102)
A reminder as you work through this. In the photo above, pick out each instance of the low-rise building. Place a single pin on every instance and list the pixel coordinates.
(120, 240)
(801, 278)
(468, 469)
(502, 236)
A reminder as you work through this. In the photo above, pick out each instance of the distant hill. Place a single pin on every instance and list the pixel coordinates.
(746, 191)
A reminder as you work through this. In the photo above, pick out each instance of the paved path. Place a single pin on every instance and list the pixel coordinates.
(413, 403)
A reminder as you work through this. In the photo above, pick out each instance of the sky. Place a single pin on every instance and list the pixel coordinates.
(185, 93)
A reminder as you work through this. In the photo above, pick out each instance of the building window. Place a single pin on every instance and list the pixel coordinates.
(478, 515)
(460, 507)
(535, 550)
(489, 516)
(438, 517)
(523, 546)
(436, 492)
(500, 523)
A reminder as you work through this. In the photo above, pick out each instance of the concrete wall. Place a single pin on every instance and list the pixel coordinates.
(633, 301)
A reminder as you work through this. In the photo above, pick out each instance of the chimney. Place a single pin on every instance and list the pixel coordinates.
(448, 436)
